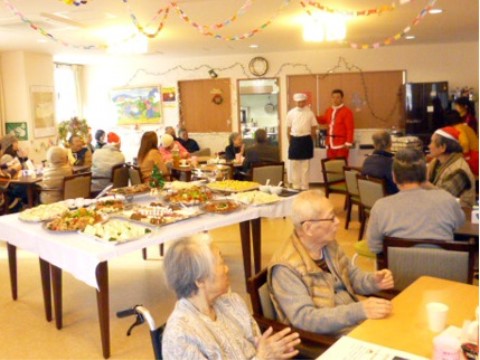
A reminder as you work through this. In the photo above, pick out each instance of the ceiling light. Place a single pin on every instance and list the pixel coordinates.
(329, 27)
(253, 46)
(435, 11)
(410, 37)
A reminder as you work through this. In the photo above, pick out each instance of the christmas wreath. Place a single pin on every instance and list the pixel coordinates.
(74, 126)
(217, 99)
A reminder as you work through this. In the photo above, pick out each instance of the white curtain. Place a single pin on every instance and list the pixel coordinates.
(68, 91)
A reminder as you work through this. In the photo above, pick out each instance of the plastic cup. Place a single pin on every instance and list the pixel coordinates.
(446, 348)
(437, 316)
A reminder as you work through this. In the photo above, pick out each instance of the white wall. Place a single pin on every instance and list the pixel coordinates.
(456, 63)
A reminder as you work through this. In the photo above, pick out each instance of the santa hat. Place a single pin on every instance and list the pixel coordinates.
(113, 138)
(299, 97)
(449, 132)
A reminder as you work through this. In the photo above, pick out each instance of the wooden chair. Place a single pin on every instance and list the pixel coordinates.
(408, 259)
(77, 186)
(261, 172)
(370, 190)
(312, 344)
(353, 196)
(333, 176)
(120, 176)
(135, 175)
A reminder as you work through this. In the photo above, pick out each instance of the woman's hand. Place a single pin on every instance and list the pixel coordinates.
(384, 279)
(277, 346)
(376, 308)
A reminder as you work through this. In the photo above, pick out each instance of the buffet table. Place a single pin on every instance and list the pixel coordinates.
(87, 259)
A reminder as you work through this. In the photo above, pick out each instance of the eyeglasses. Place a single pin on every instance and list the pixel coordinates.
(319, 220)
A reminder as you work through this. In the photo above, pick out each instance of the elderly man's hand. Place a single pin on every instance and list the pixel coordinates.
(277, 346)
(376, 308)
(384, 279)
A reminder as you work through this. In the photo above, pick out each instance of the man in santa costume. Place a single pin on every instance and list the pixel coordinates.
(339, 119)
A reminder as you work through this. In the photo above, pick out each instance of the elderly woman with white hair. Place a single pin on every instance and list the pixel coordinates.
(208, 322)
(167, 146)
(56, 169)
(313, 283)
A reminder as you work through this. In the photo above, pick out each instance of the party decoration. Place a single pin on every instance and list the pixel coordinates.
(74, 126)
(75, 2)
(365, 12)
(140, 28)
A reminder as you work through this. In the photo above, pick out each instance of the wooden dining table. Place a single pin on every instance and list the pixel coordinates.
(406, 329)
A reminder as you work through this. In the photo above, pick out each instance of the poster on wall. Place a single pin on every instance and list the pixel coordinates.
(138, 105)
(43, 111)
(169, 96)
(18, 129)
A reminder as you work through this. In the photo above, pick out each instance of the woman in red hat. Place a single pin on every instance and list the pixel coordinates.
(449, 170)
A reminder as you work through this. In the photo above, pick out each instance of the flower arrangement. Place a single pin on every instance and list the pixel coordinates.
(74, 126)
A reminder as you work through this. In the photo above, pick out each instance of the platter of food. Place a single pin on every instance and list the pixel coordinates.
(157, 215)
(43, 212)
(116, 231)
(131, 190)
(73, 221)
(195, 195)
(233, 186)
(255, 198)
(109, 206)
(224, 206)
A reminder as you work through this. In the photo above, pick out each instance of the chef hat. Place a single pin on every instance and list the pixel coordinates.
(449, 132)
(113, 138)
(167, 140)
(299, 97)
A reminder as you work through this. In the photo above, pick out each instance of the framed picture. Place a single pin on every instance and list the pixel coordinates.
(19, 129)
(43, 111)
(138, 105)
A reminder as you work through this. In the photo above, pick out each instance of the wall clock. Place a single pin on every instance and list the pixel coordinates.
(258, 66)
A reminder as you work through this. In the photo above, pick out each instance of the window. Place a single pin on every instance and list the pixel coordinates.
(67, 92)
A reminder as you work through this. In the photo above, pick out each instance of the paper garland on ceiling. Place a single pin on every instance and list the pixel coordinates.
(354, 13)
(204, 29)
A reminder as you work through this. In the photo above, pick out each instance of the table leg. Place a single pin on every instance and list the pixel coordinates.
(246, 251)
(56, 274)
(30, 188)
(12, 265)
(103, 307)
(257, 244)
(46, 289)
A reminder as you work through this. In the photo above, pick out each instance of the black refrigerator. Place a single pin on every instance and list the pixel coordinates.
(425, 106)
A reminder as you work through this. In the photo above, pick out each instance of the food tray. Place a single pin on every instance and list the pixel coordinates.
(76, 220)
(43, 212)
(116, 231)
(256, 198)
(224, 206)
(193, 196)
(133, 190)
(109, 206)
(159, 218)
(233, 186)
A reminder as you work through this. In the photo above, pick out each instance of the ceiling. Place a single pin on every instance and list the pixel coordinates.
(89, 24)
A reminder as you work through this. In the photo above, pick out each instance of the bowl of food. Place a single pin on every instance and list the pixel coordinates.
(264, 188)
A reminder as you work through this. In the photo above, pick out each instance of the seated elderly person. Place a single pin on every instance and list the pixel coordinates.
(79, 154)
(314, 285)
(208, 321)
(55, 171)
(10, 168)
(104, 159)
(262, 151)
(170, 130)
(449, 170)
(379, 163)
(168, 145)
(9, 146)
(188, 143)
(414, 212)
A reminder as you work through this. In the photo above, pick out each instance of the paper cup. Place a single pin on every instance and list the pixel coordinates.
(446, 348)
(437, 316)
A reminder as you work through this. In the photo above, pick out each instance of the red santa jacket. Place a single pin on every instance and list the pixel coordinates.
(340, 129)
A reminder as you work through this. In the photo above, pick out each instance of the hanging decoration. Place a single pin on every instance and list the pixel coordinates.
(68, 128)
(140, 28)
(243, 36)
(353, 13)
(75, 2)
(401, 34)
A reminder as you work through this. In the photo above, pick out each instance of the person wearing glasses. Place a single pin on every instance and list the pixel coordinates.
(314, 285)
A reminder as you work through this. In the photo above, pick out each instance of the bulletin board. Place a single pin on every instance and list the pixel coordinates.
(376, 98)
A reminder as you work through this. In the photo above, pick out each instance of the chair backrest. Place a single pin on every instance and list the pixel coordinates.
(260, 295)
(408, 259)
(370, 190)
(332, 170)
(261, 172)
(351, 180)
(135, 175)
(202, 152)
(77, 186)
(120, 176)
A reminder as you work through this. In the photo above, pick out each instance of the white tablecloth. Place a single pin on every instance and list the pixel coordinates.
(79, 255)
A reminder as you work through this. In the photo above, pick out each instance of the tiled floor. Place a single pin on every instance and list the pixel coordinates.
(24, 333)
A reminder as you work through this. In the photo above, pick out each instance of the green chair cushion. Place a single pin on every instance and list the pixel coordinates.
(361, 248)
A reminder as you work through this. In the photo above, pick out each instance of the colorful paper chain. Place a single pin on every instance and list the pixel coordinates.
(379, 10)
(75, 2)
(141, 28)
(243, 36)
(399, 35)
